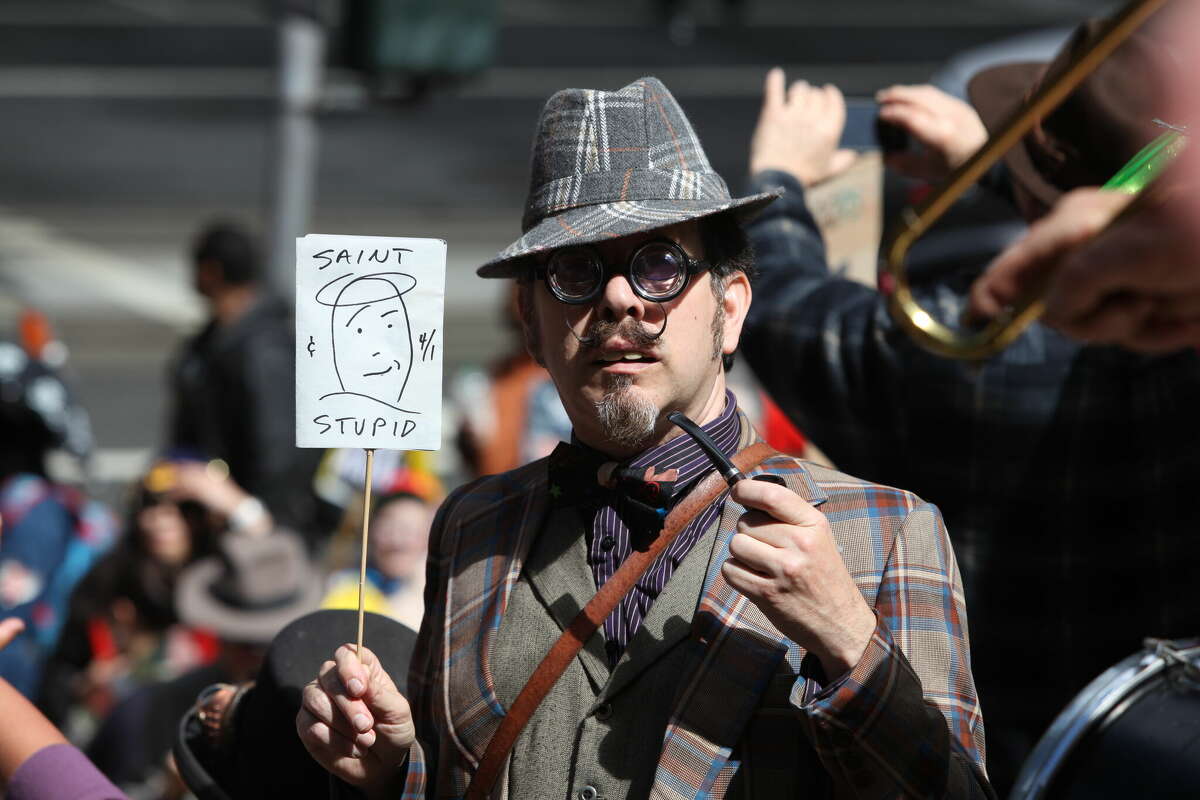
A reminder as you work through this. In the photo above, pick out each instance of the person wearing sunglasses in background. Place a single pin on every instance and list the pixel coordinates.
(1064, 470)
(794, 640)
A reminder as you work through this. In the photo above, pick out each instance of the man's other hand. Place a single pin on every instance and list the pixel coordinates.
(355, 723)
(799, 130)
(784, 558)
(949, 130)
(1135, 284)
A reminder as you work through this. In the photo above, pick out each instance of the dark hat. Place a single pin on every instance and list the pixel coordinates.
(258, 753)
(250, 589)
(609, 164)
(1096, 130)
(36, 406)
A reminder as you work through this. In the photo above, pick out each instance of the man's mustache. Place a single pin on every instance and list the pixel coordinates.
(630, 330)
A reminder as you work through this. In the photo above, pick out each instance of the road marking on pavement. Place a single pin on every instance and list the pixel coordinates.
(51, 271)
(147, 14)
(344, 90)
(731, 82)
(106, 465)
(341, 87)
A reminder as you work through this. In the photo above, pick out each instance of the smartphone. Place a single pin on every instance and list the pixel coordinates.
(866, 131)
(890, 137)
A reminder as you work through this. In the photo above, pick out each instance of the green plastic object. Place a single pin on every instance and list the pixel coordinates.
(433, 38)
(1143, 168)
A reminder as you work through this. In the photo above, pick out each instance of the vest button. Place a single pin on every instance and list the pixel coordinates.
(604, 711)
(588, 793)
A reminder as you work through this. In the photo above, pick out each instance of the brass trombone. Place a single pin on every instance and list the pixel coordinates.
(921, 325)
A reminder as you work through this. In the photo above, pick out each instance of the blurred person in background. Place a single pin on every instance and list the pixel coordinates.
(396, 549)
(123, 628)
(339, 483)
(52, 533)
(242, 594)
(510, 414)
(339, 480)
(1063, 470)
(233, 384)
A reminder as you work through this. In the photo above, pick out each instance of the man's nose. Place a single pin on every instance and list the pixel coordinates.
(618, 300)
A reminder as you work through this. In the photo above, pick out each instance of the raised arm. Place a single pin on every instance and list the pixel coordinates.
(821, 344)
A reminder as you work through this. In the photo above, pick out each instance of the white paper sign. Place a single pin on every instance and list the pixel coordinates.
(369, 341)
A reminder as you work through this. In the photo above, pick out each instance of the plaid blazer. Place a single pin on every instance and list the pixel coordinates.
(903, 722)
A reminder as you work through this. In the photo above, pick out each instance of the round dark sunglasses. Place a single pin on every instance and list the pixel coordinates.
(657, 271)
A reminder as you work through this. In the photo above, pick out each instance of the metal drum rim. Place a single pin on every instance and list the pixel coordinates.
(1091, 706)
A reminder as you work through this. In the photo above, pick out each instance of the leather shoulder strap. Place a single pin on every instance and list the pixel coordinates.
(592, 617)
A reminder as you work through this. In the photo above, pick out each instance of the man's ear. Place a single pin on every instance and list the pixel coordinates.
(530, 331)
(735, 303)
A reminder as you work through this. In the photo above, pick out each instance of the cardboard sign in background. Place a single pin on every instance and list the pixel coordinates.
(849, 211)
(369, 341)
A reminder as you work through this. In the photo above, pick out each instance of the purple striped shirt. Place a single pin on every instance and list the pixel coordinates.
(610, 541)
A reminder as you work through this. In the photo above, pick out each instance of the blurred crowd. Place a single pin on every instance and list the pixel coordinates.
(1064, 467)
(232, 531)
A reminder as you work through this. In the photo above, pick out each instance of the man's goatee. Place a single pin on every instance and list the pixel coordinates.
(626, 418)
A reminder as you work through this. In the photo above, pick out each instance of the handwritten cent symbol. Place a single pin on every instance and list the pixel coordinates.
(428, 348)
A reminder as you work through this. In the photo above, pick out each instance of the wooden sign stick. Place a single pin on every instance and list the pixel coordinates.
(362, 564)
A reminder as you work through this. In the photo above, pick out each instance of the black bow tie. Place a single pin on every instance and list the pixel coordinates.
(642, 496)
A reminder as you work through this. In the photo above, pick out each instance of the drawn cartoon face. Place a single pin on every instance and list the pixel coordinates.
(372, 347)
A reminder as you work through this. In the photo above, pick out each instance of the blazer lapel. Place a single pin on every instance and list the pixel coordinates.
(558, 570)
(492, 543)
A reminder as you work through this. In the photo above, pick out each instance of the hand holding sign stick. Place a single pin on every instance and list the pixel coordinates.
(368, 369)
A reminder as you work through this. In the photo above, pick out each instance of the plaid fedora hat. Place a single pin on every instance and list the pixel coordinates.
(610, 164)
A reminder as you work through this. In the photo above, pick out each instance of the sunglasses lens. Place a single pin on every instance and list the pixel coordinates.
(573, 273)
(659, 270)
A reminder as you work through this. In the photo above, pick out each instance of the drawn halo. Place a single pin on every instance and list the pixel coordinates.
(329, 294)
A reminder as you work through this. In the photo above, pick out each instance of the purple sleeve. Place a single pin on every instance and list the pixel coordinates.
(61, 771)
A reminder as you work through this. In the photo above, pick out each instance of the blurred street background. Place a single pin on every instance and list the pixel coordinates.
(128, 124)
